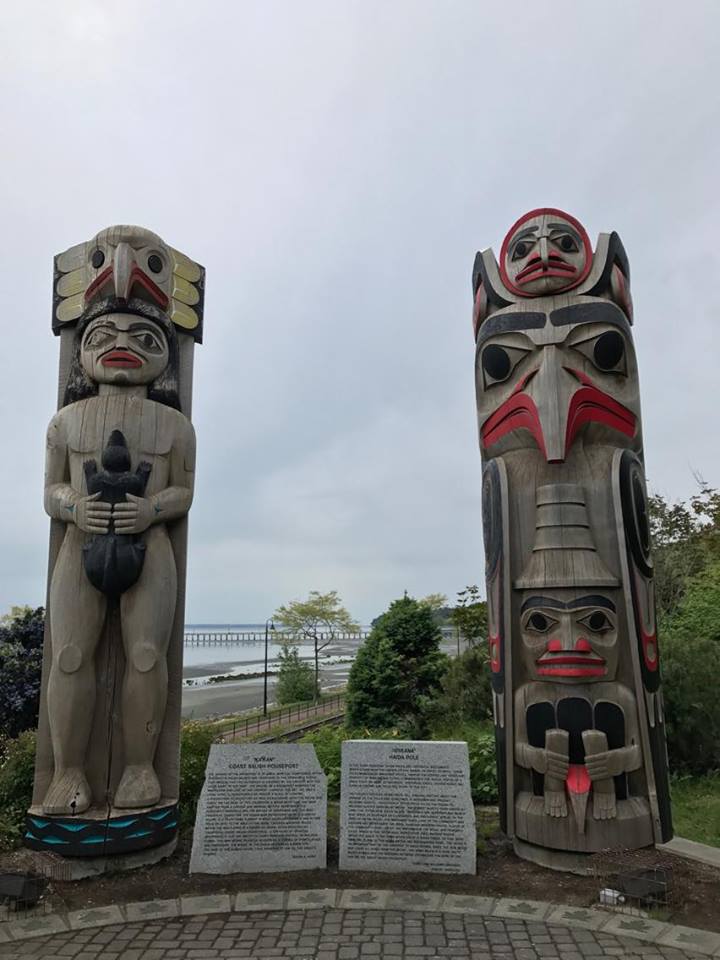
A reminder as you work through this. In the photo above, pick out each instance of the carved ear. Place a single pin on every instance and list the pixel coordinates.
(610, 274)
(489, 294)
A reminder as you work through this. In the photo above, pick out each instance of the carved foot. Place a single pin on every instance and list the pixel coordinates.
(138, 787)
(555, 803)
(69, 793)
(604, 805)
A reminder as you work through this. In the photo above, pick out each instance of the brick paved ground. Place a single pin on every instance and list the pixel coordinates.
(335, 935)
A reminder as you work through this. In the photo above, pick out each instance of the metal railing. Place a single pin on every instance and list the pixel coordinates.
(238, 728)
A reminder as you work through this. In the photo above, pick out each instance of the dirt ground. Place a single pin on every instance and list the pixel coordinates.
(694, 896)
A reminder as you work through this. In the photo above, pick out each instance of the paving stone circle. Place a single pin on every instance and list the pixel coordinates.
(348, 925)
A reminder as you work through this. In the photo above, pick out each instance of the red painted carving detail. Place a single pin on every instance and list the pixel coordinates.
(494, 643)
(518, 411)
(578, 779)
(590, 404)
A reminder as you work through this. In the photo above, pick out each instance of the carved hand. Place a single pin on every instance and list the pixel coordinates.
(92, 515)
(133, 516)
(557, 764)
(610, 763)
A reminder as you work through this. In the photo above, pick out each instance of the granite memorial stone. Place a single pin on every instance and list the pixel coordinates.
(406, 806)
(262, 808)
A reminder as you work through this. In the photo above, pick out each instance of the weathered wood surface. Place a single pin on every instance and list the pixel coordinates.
(578, 710)
(110, 704)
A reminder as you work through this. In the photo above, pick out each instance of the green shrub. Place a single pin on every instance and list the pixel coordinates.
(690, 661)
(17, 771)
(296, 678)
(397, 670)
(691, 668)
(466, 694)
(483, 769)
(195, 741)
(328, 747)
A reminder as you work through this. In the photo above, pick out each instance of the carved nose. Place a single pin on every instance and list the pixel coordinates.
(544, 254)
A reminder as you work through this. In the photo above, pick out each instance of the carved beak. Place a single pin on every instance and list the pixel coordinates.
(125, 278)
(551, 389)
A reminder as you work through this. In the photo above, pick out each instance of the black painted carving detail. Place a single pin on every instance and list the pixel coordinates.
(113, 561)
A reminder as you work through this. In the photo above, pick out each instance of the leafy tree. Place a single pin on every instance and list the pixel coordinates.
(469, 616)
(319, 619)
(296, 681)
(686, 538)
(21, 645)
(397, 670)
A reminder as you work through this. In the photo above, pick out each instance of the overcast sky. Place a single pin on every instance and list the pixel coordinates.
(335, 166)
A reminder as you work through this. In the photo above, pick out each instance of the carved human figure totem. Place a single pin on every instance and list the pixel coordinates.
(578, 709)
(118, 485)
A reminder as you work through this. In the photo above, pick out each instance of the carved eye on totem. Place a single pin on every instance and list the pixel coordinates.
(147, 341)
(99, 337)
(597, 622)
(522, 248)
(97, 258)
(537, 622)
(567, 242)
(606, 351)
(155, 264)
(498, 361)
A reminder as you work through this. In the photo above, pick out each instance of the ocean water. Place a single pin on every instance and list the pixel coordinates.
(201, 661)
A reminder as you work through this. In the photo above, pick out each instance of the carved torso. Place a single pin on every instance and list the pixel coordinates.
(154, 433)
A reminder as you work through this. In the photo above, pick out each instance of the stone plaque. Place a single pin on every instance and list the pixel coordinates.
(406, 806)
(263, 807)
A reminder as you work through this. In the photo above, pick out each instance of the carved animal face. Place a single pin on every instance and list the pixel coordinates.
(123, 348)
(545, 251)
(131, 269)
(546, 376)
(569, 637)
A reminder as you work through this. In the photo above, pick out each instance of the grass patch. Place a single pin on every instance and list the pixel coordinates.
(696, 808)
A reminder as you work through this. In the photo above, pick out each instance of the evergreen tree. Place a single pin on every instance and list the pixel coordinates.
(397, 670)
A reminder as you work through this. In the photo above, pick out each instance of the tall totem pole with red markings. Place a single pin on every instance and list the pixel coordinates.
(578, 709)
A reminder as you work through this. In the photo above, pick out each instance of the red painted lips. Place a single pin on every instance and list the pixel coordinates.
(555, 267)
(570, 665)
(121, 358)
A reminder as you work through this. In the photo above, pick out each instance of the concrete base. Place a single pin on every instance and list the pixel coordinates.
(78, 868)
(560, 860)
(691, 850)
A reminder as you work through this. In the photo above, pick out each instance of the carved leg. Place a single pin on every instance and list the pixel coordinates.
(604, 806)
(147, 611)
(76, 611)
(555, 801)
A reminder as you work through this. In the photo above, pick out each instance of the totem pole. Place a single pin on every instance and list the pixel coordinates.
(118, 485)
(578, 710)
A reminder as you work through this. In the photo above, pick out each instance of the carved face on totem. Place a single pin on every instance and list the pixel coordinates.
(569, 636)
(546, 251)
(124, 348)
(543, 375)
(131, 270)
